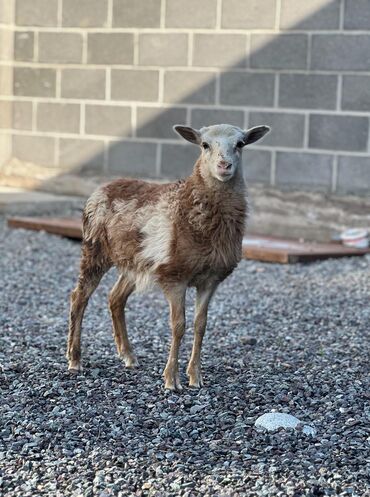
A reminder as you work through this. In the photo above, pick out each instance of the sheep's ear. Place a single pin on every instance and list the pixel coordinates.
(254, 134)
(189, 134)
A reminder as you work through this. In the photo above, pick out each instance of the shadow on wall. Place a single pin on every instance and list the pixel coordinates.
(275, 84)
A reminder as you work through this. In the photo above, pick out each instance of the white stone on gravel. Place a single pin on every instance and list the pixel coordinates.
(272, 421)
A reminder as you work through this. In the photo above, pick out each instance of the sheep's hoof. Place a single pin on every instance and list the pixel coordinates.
(130, 361)
(172, 382)
(74, 367)
(195, 380)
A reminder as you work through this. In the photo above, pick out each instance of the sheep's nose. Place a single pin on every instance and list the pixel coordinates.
(223, 165)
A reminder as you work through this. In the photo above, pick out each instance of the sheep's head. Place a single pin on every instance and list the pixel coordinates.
(221, 146)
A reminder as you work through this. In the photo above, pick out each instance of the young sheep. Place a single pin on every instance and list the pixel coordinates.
(182, 234)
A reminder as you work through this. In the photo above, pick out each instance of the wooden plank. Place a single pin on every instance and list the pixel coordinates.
(260, 248)
(284, 250)
(68, 227)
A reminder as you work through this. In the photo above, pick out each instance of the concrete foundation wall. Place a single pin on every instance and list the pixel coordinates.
(98, 84)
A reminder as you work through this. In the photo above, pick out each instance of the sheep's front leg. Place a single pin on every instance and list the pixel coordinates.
(176, 299)
(204, 295)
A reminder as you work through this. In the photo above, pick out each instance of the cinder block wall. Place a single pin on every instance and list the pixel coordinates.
(100, 83)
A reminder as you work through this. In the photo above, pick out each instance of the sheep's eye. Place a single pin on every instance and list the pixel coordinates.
(240, 144)
(205, 146)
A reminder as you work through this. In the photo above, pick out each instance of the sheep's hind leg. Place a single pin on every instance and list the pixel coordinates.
(90, 276)
(117, 302)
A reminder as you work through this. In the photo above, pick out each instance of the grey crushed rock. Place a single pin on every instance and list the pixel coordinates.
(115, 432)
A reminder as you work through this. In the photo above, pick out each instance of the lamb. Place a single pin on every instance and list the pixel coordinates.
(176, 235)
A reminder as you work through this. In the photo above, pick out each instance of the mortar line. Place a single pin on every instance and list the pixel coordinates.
(88, 137)
(108, 79)
(334, 178)
(58, 83)
(35, 46)
(218, 14)
(136, 49)
(59, 14)
(276, 90)
(84, 48)
(110, 14)
(163, 14)
(158, 159)
(341, 15)
(34, 116)
(105, 156)
(188, 116)
(161, 85)
(133, 120)
(339, 91)
(267, 31)
(277, 15)
(306, 130)
(82, 118)
(190, 48)
(217, 88)
(273, 168)
(309, 51)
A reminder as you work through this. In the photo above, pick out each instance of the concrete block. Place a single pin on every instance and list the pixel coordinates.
(6, 114)
(109, 120)
(178, 160)
(304, 170)
(312, 15)
(356, 93)
(191, 14)
(16, 115)
(357, 14)
(340, 52)
(157, 123)
(84, 13)
(7, 45)
(287, 129)
(129, 84)
(63, 118)
(163, 49)
(207, 117)
(110, 48)
(23, 45)
(308, 91)
(248, 14)
(189, 87)
(36, 13)
(353, 174)
(83, 83)
(279, 52)
(60, 48)
(257, 165)
(338, 132)
(219, 50)
(38, 149)
(81, 154)
(34, 82)
(136, 13)
(247, 89)
(136, 159)
(22, 115)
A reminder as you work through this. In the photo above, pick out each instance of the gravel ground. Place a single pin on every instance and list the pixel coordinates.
(110, 431)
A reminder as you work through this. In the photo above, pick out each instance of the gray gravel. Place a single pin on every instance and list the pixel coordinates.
(290, 338)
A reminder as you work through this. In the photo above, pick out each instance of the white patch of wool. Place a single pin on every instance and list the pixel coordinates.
(157, 232)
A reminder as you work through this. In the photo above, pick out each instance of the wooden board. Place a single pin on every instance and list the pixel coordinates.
(260, 248)
(287, 251)
(68, 227)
